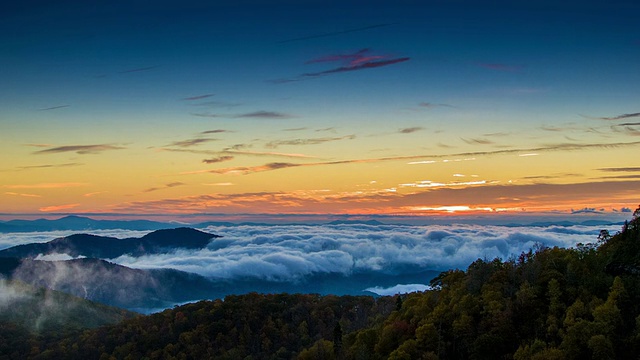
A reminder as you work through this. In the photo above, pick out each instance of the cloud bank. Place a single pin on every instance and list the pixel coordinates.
(292, 252)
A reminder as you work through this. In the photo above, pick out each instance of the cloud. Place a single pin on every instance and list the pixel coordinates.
(262, 114)
(206, 115)
(215, 131)
(295, 129)
(359, 66)
(410, 130)
(47, 166)
(587, 211)
(253, 169)
(398, 289)
(21, 194)
(45, 185)
(621, 169)
(359, 60)
(54, 107)
(191, 142)
(613, 118)
(141, 69)
(56, 208)
(429, 105)
(198, 97)
(80, 149)
(218, 159)
(467, 155)
(477, 141)
(166, 186)
(334, 33)
(292, 252)
(312, 141)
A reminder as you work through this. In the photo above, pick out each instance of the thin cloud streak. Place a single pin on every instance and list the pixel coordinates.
(359, 60)
(218, 159)
(299, 142)
(54, 107)
(198, 97)
(141, 69)
(554, 147)
(621, 169)
(191, 142)
(261, 114)
(166, 186)
(45, 185)
(80, 149)
(410, 130)
(216, 131)
(613, 118)
(56, 208)
(48, 166)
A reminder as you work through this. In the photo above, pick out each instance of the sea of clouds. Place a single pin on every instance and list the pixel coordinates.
(290, 253)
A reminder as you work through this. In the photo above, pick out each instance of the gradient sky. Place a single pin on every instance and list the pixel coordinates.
(312, 107)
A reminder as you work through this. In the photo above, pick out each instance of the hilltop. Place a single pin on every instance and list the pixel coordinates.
(93, 246)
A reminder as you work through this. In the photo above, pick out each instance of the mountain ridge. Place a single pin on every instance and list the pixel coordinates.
(104, 247)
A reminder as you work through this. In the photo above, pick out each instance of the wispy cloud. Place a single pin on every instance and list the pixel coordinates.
(21, 194)
(80, 149)
(166, 186)
(429, 105)
(260, 114)
(295, 129)
(191, 142)
(359, 66)
(410, 130)
(613, 118)
(477, 141)
(48, 166)
(215, 131)
(198, 97)
(207, 115)
(263, 114)
(56, 208)
(91, 194)
(466, 155)
(218, 159)
(54, 107)
(45, 185)
(313, 141)
(359, 60)
(621, 169)
(140, 69)
(334, 33)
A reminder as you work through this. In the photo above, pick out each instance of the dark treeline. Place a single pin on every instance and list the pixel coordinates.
(548, 303)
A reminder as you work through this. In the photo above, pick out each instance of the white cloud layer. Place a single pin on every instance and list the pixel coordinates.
(398, 289)
(289, 253)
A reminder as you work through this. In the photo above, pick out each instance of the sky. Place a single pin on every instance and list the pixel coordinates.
(403, 108)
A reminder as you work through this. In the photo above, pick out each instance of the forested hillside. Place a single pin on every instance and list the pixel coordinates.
(548, 303)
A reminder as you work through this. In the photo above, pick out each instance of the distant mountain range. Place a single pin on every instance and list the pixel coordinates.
(101, 247)
(80, 223)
